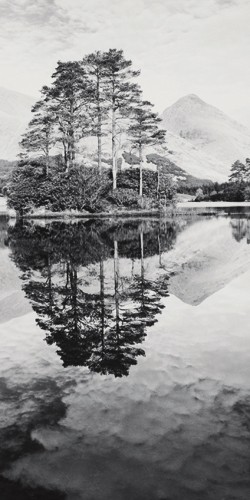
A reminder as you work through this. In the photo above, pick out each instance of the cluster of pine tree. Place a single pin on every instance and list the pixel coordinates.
(99, 97)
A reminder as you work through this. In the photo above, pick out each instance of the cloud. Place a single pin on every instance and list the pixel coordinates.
(181, 46)
(42, 19)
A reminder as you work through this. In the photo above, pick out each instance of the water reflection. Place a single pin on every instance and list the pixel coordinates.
(95, 321)
(178, 426)
(240, 228)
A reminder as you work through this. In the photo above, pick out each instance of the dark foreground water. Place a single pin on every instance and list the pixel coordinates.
(125, 360)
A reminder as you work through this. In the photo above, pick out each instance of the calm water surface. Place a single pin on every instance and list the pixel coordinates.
(125, 359)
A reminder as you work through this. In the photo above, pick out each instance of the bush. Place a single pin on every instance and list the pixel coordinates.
(247, 193)
(124, 198)
(80, 189)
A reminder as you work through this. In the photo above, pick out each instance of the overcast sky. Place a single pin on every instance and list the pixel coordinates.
(181, 46)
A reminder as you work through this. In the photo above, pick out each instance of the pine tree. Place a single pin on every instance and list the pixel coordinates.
(69, 99)
(120, 94)
(96, 68)
(144, 131)
(238, 172)
(40, 136)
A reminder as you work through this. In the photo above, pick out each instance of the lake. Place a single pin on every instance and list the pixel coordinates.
(125, 359)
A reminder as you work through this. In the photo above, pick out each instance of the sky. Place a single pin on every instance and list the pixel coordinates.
(181, 46)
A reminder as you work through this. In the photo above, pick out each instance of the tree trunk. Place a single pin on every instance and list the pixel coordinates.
(65, 155)
(47, 164)
(50, 287)
(158, 181)
(71, 137)
(159, 249)
(102, 297)
(114, 147)
(73, 284)
(142, 254)
(116, 280)
(99, 127)
(140, 160)
(47, 155)
(71, 148)
(99, 153)
(142, 269)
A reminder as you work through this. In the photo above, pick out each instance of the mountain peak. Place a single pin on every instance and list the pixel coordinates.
(208, 130)
(190, 100)
(191, 97)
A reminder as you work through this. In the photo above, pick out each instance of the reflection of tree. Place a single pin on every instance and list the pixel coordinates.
(147, 293)
(3, 231)
(240, 228)
(122, 334)
(92, 326)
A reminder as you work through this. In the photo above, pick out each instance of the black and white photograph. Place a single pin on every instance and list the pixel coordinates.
(124, 250)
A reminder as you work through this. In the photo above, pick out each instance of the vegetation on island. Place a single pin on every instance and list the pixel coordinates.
(96, 98)
(237, 188)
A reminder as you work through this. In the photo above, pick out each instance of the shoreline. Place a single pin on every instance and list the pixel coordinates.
(182, 208)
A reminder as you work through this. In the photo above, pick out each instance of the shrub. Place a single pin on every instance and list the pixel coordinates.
(80, 188)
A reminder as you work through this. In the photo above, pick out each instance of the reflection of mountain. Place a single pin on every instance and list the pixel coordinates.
(12, 300)
(206, 258)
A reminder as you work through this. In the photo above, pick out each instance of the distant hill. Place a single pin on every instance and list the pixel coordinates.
(14, 116)
(204, 140)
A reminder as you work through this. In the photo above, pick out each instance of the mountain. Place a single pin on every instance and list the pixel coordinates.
(14, 117)
(203, 138)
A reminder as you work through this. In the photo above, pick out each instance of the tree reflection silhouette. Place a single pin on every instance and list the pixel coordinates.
(92, 323)
(240, 228)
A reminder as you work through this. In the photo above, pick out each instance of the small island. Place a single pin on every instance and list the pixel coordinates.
(92, 99)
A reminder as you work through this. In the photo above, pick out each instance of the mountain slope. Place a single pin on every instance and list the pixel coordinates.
(14, 117)
(208, 131)
(192, 159)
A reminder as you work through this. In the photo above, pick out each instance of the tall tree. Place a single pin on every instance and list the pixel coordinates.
(238, 172)
(96, 68)
(69, 98)
(144, 131)
(40, 136)
(121, 93)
